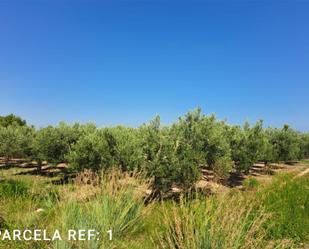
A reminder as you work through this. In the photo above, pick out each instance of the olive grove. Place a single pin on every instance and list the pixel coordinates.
(172, 155)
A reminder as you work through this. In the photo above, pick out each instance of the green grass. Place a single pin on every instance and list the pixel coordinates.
(13, 189)
(20, 198)
(273, 215)
(287, 198)
(251, 183)
(116, 206)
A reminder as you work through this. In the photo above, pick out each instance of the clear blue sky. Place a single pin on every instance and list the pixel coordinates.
(123, 62)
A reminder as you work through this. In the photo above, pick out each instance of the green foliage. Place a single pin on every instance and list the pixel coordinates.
(172, 155)
(268, 151)
(15, 141)
(173, 164)
(304, 145)
(169, 159)
(125, 145)
(11, 119)
(206, 138)
(149, 136)
(286, 144)
(19, 200)
(248, 144)
(53, 143)
(91, 151)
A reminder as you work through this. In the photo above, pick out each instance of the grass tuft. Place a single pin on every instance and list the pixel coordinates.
(227, 222)
(117, 206)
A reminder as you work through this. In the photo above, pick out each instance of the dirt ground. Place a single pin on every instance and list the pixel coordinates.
(259, 171)
(60, 174)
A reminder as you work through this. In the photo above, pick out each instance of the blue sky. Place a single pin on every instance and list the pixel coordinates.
(123, 62)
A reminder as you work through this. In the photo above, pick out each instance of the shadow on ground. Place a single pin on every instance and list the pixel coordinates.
(60, 172)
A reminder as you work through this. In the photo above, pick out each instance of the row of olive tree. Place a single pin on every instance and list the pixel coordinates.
(171, 155)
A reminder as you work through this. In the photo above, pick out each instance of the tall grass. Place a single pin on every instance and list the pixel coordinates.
(287, 199)
(14, 189)
(19, 202)
(118, 206)
(227, 222)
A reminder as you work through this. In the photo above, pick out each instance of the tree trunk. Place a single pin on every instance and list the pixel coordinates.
(39, 167)
(6, 162)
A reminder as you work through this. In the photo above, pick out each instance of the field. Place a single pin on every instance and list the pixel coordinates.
(266, 209)
(198, 183)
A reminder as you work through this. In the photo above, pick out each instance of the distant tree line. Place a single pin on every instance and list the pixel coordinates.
(171, 155)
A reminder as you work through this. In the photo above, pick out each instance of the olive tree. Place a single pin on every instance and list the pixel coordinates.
(286, 143)
(206, 136)
(52, 144)
(304, 145)
(173, 164)
(91, 151)
(15, 141)
(168, 159)
(11, 119)
(248, 145)
(125, 147)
